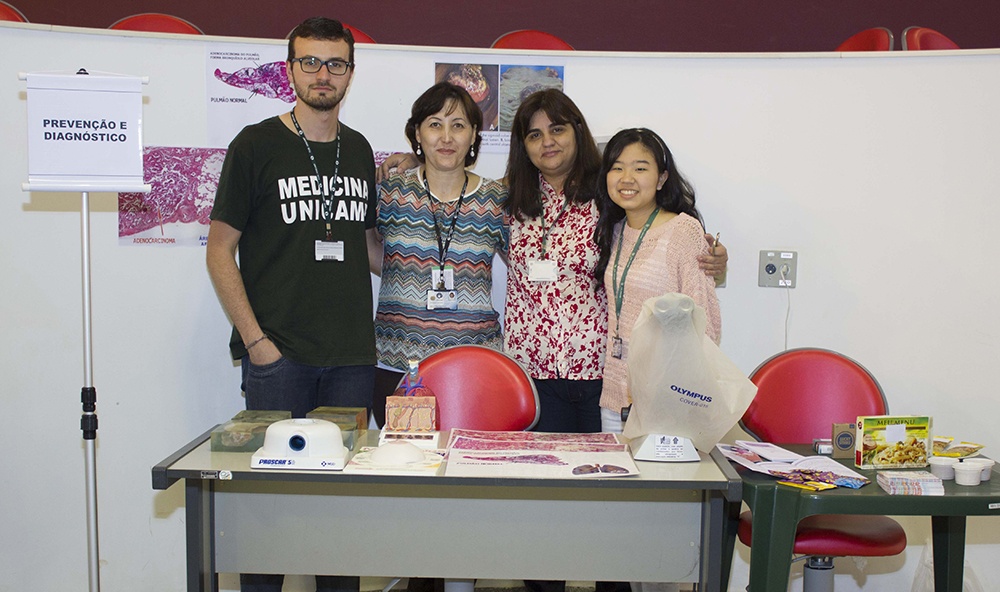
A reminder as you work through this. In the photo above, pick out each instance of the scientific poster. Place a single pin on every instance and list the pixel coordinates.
(244, 84)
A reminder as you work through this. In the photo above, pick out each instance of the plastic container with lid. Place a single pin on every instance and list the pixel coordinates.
(985, 464)
(968, 474)
(943, 467)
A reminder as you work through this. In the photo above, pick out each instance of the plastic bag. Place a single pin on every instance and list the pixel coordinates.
(680, 381)
(923, 578)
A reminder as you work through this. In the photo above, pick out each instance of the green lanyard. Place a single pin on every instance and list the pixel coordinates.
(619, 287)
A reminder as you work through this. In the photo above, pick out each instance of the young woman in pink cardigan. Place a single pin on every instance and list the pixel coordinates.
(650, 235)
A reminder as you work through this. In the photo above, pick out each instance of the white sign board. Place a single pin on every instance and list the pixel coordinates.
(84, 132)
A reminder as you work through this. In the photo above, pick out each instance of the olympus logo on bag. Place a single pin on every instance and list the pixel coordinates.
(691, 394)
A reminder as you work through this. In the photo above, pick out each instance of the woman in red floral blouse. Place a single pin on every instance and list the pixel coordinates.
(555, 321)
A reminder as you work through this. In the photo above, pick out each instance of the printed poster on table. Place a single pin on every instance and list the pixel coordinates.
(537, 454)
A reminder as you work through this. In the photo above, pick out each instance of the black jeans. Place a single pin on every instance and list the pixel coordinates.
(569, 406)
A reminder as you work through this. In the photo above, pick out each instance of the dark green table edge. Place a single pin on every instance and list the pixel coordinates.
(777, 509)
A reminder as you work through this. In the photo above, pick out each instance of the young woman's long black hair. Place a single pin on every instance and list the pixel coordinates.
(675, 196)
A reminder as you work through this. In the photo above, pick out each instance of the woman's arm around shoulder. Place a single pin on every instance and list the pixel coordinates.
(688, 242)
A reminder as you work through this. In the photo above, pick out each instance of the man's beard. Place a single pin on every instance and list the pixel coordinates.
(326, 102)
(321, 103)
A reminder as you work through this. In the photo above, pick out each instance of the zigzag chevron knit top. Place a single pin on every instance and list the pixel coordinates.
(404, 327)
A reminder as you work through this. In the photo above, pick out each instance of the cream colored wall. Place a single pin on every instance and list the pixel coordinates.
(879, 170)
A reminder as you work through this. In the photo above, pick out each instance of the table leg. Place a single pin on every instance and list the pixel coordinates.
(200, 515)
(948, 534)
(714, 574)
(775, 517)
(731, 522)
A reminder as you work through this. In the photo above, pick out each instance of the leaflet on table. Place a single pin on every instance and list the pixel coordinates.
(808, 468)
(361, 462)
(769, 451)
(537, 454)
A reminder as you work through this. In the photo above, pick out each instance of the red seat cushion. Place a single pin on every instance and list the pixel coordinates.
(844, 535)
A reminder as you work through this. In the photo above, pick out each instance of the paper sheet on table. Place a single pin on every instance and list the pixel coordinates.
(536, 454)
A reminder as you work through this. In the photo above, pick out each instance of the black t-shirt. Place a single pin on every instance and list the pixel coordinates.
(316, 312)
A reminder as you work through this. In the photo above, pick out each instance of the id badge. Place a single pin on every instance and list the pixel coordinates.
(443, 281)
(617, 347)
(442, 299)
(542, 270)
(329, 250)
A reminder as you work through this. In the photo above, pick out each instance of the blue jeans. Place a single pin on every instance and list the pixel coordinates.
(570, 406)
(290, 386)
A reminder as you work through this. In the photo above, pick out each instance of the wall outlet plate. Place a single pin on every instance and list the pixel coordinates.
(777, 269)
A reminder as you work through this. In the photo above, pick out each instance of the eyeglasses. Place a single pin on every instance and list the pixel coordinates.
(311, 65)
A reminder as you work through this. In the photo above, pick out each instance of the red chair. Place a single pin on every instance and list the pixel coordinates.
(876, 39)
(10, 13)
(800, 394)
(530, 39)
(478, 388)
(359, 35)
(920, 38)
(156, 22)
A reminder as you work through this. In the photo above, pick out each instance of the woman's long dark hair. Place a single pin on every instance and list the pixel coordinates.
(524, 199)
(675, 196)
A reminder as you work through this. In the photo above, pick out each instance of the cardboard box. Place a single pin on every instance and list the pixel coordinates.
(892, 441)
(843, 440)
(410, 414)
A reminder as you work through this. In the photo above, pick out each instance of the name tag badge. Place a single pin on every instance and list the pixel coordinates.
(329, 250)
(617, 347)
(442, 299)
(443, 281)
(542, 270)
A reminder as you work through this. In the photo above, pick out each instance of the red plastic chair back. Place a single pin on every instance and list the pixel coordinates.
(478, 388)
(359, 35)
(10, 13)
(530, 39)
(802, 392)
(920, 38)
(155, 22)
(876, 39)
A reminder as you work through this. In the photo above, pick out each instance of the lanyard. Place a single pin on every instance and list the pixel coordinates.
(444, 246)
(327, 194)
(619, 287)
(546, 230)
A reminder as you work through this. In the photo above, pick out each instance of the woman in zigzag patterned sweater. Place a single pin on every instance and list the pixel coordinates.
(439, 227)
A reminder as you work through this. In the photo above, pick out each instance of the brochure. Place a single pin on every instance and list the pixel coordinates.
(806, 468)
(769, 451)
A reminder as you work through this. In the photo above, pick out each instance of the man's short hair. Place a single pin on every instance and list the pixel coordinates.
(323, 29)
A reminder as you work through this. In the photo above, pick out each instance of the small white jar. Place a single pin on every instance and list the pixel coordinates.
(985, 464)
(967, 474)
(943, 467)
